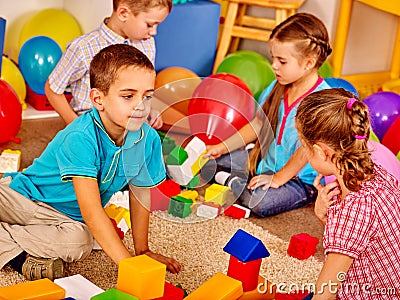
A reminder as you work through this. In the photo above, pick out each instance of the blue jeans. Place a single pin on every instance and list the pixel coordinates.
(294, 194)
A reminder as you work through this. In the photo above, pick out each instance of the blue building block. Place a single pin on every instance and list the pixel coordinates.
(188, 37)
(245, 247)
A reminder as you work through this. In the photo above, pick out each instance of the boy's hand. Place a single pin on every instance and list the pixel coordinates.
(326, 197)
(216, 151)
(172, 265)
(155, 119)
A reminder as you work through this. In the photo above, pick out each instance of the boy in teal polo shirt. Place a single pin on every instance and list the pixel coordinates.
(53, 211)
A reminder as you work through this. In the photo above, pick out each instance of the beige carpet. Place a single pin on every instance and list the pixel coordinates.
(198, 246)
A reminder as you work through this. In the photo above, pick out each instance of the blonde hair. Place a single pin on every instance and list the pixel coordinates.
(310, 38)
(138, 6)
(328, 117)
(106, 65)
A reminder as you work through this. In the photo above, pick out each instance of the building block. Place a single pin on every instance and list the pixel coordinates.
(246, 272)
(160, 195)
(302, 246)
(195, 181)
(168, 143)
(172, 292)
(199, 163)
(220, 286)
(177, 156)
(245, 247)
(181, 174)
(180, 206)
(42, 289)
(208, 210)
(237, 211)
(114, 294)
(216, 193)
(10, 161)
(142, 277)
(78, 287)
(189, 194)
(265, 291)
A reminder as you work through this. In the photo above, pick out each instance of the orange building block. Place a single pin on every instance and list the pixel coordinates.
(141, 276)
(42, 289)
(220, 286)
(265, 291)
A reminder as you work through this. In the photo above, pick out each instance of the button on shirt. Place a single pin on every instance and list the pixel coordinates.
(84, 149)
(73, 68)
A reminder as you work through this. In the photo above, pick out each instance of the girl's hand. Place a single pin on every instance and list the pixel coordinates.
(172, 265)
(216, 151)
(262, 180)
(326, 197)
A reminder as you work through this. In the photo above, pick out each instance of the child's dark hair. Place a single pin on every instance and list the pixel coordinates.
(310, 38)
(105, 65)
(137, 6)
(334, 117)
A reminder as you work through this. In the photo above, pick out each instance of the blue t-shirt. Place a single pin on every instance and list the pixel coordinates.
(286, 139)
(85, 149)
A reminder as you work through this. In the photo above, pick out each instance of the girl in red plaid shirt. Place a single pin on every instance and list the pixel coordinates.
(361, 209)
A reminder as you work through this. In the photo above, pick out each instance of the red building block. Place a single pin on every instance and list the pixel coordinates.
(236, 211)
(302, 246)
(246, 272)
(171, 292)
(161, 194)
(298, 295)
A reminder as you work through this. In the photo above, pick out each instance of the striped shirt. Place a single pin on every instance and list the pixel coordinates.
(365, 225)
(73, 68)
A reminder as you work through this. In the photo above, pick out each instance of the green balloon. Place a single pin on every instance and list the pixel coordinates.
(253, 68)
(373, 136)
(325, 71)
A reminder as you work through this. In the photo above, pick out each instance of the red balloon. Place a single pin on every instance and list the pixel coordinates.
(10, 113)
(391, 139)
(220, 105)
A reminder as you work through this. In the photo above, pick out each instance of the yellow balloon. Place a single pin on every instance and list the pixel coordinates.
(54, 23)
(13, 76)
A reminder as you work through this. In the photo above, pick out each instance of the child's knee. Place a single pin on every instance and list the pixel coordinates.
(78, 245)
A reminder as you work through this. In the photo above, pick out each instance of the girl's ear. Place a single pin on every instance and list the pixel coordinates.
(322, 150)
(310, 63)
(97, 97)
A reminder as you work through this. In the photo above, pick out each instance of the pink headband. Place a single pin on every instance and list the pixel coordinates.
(350, 106)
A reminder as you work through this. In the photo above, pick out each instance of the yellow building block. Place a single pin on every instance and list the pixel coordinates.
(189, 194)
(42, 289)
(220, 286)
(141, 276)
(216, 193)
(118, 213)
(199, 163)
(10, 160)
(264, 291)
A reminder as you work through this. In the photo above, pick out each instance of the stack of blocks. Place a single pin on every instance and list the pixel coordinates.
(141, 277)
(184, 164)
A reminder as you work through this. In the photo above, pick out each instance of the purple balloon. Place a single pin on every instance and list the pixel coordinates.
(384, 108)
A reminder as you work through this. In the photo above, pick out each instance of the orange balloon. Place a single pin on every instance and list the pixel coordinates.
(172, 74)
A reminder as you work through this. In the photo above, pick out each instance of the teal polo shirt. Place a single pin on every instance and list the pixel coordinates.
(286, 139)
(85, 149)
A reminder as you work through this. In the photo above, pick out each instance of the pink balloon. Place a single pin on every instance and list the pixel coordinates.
(380, 155)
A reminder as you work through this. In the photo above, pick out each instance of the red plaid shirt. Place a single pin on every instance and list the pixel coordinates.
(365, 225)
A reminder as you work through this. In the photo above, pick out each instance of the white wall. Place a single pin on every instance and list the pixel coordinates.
(370, 38)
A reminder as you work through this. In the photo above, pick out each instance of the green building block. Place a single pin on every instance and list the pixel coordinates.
(177, 156)
(180, 206)
(194, 182)
(114, 294)
(168, 143)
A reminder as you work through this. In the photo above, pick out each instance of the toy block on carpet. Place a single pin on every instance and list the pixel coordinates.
(114, 294)
(171, 292)
(220, 286)
(216, 193)
(208, 210)
(160, 195)
(42, 289)
(302, 246)
(237, 211)
(180, 206)
(10, 161)
(141, 276)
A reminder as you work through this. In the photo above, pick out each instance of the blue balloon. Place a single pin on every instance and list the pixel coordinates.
(37, 58)
(341, 83)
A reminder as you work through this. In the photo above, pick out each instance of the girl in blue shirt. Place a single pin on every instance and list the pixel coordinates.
(275, 177)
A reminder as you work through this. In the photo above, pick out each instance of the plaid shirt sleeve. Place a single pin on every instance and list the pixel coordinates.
(350, 226)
